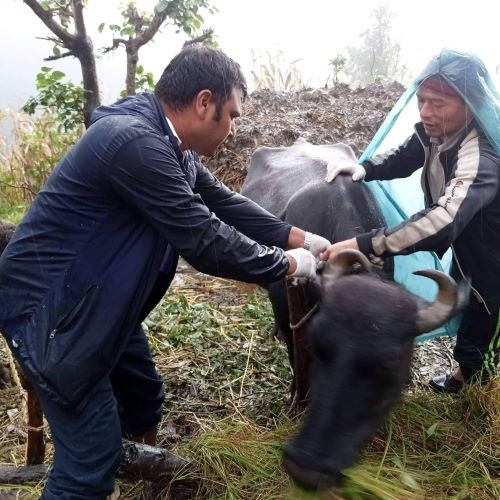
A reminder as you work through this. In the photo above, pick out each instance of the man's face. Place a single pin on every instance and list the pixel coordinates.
(216, 129)
(442, 115)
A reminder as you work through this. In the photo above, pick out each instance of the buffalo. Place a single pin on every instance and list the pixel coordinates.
(6, 231)
(289, 183)
(362, 340)
(362, 335)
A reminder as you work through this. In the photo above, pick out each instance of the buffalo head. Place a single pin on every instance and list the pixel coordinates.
(362, 340)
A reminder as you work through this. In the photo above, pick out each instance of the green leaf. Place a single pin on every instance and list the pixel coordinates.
(430, 431)
(101, 27)
(56, 51)
(127, 31)
(409, 480)
(161, 6)
(57, 75)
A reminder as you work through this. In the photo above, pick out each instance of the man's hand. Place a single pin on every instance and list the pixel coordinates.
(302, 263)
(299, 238)
(315, 244)
(334, 249)
(336, 167)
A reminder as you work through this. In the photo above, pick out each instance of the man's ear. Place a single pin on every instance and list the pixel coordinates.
(202, 102)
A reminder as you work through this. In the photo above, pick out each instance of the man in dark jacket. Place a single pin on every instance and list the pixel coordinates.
(458, 144)
(99, 247)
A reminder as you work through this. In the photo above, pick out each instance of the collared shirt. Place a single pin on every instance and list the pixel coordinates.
(435, 171)
(171, 125)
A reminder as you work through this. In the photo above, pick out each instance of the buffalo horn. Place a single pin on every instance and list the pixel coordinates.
(342, 262)
(445, 305)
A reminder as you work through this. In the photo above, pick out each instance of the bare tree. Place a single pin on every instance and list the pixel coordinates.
(58, 15)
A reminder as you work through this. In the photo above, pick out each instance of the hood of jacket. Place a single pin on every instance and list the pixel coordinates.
(467, 75)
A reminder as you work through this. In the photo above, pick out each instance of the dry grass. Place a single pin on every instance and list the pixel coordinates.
(226, 384)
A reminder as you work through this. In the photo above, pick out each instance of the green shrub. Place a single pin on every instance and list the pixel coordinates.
(38, 144)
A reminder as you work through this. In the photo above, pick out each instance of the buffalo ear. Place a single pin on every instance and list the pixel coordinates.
(342, 263)
(449, 300)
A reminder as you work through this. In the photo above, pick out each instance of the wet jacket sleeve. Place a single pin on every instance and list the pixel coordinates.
(147, 175)
(397, 163)
(238, 211)
(473, 186)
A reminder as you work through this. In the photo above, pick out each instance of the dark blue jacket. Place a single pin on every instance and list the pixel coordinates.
(98, 247)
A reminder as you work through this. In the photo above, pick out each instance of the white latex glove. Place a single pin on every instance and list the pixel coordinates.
(306, 263)
(315, 244)
(334, 168)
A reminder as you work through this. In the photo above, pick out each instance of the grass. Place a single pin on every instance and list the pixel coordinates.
(227, 384)
(432, 446)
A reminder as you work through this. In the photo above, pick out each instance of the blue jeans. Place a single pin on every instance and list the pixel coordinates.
(88, 444)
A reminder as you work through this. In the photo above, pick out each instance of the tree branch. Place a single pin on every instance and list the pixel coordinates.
(46, 17)
(155, 24)
(116, 44)
(55, 58)
(78, 17)
(52, 39)
(199, 39)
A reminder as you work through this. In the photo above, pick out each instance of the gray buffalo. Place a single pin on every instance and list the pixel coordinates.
(289, 183)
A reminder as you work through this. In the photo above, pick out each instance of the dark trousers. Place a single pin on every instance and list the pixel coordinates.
(477, 349)
(87, 445)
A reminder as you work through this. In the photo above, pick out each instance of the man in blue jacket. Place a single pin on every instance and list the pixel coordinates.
(457, 143)
(99, 247)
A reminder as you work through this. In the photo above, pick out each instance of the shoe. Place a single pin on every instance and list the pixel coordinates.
(446, 383)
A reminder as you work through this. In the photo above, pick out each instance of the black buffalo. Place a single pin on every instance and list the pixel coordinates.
(289, 183)
(6, 231)
(362, 340)
(363, 333)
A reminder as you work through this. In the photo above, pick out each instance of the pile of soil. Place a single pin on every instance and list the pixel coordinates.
(321, 116)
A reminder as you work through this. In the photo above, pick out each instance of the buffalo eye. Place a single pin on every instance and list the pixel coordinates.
(369, 368)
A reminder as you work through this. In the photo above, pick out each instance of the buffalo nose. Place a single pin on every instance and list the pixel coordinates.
(310, 479)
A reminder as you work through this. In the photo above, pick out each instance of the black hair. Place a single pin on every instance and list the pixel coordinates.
(196, 68)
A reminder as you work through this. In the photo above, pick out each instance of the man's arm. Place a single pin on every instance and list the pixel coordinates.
(250, 218)
(146, 174)
(396, 163)
(473, 186)
(240, 212)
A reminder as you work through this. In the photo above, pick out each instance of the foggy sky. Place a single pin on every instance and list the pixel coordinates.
(312, 32)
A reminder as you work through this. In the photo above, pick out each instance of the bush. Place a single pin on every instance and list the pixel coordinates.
(38, 144)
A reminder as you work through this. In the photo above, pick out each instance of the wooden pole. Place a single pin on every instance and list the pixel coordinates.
(299, 306)
(35, 447)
